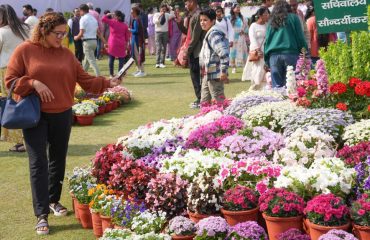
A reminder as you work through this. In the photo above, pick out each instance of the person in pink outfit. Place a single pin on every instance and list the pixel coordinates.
(118, 39)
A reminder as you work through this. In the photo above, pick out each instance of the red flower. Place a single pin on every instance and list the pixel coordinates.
(353, 82)
(361, 212)
(338, 88)
(301, 91)
(368, 108)
(361, 89)
(341, 106)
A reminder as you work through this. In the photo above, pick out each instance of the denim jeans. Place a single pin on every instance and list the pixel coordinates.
(111, 64)
(161, 40)
(278, 65)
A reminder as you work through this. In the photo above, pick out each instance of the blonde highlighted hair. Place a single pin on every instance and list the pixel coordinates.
(47, 23)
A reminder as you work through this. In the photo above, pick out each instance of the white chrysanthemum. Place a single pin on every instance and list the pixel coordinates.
(262, 93)
(270, 114)
(357, 132)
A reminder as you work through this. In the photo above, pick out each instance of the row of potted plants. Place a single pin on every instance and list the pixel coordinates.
(88, 106)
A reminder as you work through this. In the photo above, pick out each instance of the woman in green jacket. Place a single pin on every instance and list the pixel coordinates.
(284, 42)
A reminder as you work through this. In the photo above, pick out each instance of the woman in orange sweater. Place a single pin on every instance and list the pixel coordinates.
(43, 66)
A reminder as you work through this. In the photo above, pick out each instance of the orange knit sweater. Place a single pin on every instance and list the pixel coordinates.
(57, 68)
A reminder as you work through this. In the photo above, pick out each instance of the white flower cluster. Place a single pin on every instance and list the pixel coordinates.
(357, 132)
(125, 234)
(303, 147)
(85, 108)
(291, 83)
(194, 162)
(152, 135)
(193, 122)
(262, 93)
(148, 221)
(326, 175)
(269, 114)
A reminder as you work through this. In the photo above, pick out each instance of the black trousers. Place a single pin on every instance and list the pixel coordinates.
(47, 146)
(195, 75)
(79, 52)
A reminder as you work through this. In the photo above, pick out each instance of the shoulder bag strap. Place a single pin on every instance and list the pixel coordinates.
(12, 88)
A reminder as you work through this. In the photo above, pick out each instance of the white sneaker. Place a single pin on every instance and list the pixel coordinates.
(157, 66)
(162, 65)
(134, 73)
(233, 71)
(140, 74)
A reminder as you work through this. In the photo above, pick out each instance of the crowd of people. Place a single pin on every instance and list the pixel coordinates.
(207, 41)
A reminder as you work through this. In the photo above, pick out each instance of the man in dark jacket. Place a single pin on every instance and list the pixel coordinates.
(196, 35)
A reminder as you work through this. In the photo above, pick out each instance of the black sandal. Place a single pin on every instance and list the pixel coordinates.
(18, 148)
(58, 209)
(42, 226)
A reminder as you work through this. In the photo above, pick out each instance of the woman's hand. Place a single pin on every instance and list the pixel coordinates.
(44, 92)
(115, 81)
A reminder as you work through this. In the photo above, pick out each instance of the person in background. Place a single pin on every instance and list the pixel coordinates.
(96, 15)
(31, 20)
(49, 10)
(194, 36)
(88, 31)
(239, 50)
(52, 73)
(314, 36)
(294, 6)
(161, 34)
(99, 45)
(35, 12)
(267, 4)
(224, 24)
(12, 33)
(284, 42)
(137, 42)
(254, 70)
(175, 36)
(151, 31)
(74, 26)
(213, 59)
(144, 19)
(118, 40)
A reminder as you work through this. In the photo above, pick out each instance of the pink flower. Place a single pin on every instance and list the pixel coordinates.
(301, 91)
(361, 212)
(275, 209)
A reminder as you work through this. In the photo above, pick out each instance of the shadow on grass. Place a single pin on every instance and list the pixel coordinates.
(152, 83)
(78, 150)
(8, 154)
(65, 227)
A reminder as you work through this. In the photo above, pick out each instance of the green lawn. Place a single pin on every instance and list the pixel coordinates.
(162, 94)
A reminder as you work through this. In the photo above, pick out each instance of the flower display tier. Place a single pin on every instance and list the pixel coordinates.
(251, 168)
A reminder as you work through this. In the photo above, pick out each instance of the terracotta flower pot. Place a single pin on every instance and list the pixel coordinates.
(361, 232)
(114, 105)
(181, 237)
(235, 217)
(101, 110)
(108, 107)
(85, 215)
(315, 231)
(106, 222)
(85, 120)
(97, 224)
(277, 225)
(77, 215)
(196, 217)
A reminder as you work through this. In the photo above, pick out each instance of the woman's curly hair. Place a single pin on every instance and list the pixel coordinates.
(279, 14)
(47, 23)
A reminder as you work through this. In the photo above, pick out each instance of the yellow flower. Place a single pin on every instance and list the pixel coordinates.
(91, 191)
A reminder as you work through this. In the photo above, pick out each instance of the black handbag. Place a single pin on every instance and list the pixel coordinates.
(19, 115)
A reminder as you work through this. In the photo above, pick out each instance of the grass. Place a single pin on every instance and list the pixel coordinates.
(163, 94)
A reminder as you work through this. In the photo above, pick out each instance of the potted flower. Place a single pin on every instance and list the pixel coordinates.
(79, 182)
(182, 228)
(147, 221)
(103, 161)
(360, 214)
(281, 210)
(122, 93)
(240, 205)
(85, 112)
(337, 234)
(293, 234)
(108, 103)
(112, 97)
(112, 234)
(249, 230)
(131, 178)
(101, 105)
(325, 212)
(167, 192)
(204, 198)
(212, 228)
(106, 202)
(123, 212)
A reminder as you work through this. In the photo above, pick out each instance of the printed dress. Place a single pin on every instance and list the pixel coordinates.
(239, 51)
